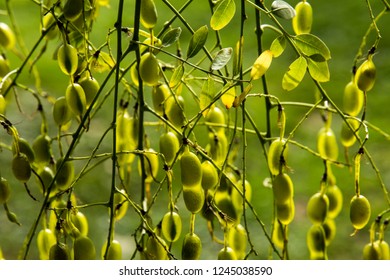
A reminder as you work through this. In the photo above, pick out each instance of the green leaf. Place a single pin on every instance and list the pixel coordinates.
(295, 74)
(206, 95)
(171, 37)
(221, 59)
(282, 9)
(176, 76)
(311, 45)
(278, 45)
(223, 14)
(318, 70)
(197, 41)
(237, 57)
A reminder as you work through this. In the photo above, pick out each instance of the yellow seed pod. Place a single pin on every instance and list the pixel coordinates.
(372, 251)
(347, 136)
(7, 36)
(236, 196)
(283, 188)
(384, 248)
(227, 253)
(277, 235)
(359, 211)
(238, 240)
(159, 94)
(192, 247)
(327, 144)
(274, 155)
(365, 75)
(285, 212)
(45, 240)
(149, 69)
(156, 249)
(151, 165)
(317, 208)
(67, 59)
(190, 169)
(209, 175)
(194, 198)
(353, 99)
(316, 242)
(148, 14)
(335, 197)
(303, 19)
(114, 251)
(171, 226)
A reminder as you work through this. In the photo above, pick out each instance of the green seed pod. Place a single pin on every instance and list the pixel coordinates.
(21, 168)
(76, 100)
(229, 213)
(285, 212)
(169, 146)
(81, 222)
(159, 94)
(277, 235)
(42, 149)
(65, 176)
(335, 197)
(236, 196)
(47, 21)
(327, 144)
(227, 253)
(24, 148)
(175, 111)
(317, 208)
(114, 251)
(283, 188)
(191, 169)
(7, 36)
(148, 14)
(46, 176)
(4, 66)
(347, 137)
(372, 251)
(384, 248)
(194, 198)
(45, 240)
(59, 251)
(67, 59)
(365, 75)
(171, 226)
(84, 249)
(218, 145)
(61, 112)
(353, 99)
(216, 118)
(121, 205)
(149, 69)
(303, 19)
(238, 240)
(316, 242)
(3, 104)
(5, 190)
(274, 155)
(359, 211)
(329, 227)
(72, 9)
(151, 165)
(91, 87)
(192, 247)
(209, 175)
(156, 249)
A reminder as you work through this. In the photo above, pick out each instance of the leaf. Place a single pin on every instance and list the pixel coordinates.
(228, 96)
(261, 65)
(176, 76)
(310, 45)
(295, 74)
(237, 57)
(171, 37)
(282, 9)
(197, 41)
(223, 14)
(206, 95)
(221, 59)
(278, 45)
(318, 70)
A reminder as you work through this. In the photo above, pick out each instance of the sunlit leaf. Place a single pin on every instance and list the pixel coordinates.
(311, 45)
(206, 95)
(295, 74)
(223, 14)
(197, 41)
(237, 57)
(176, 76)
(278, 45)
(171, 37)
(261, 65)
(228, 97)
(282, 9)
(318, 70)
(221, 59)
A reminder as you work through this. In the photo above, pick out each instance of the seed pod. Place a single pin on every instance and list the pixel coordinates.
(4, 66)
(61, 111)
(120, 205)
(365, 75)
(353, 99)
(42, 149)
(217, 148)
(75, 98)
(45, 240)
(209, 175)
(238, 240)
(65, 176)
(175, 111)
(149, 69)
(229, 213)
(384, 248)
(81, 222)
(285, 212)
(316, 242)
(67, 59)
(114, 251)
(347, 137)
(278, 235)
(236, 196)
(335, 197)
(7, 36)
(191, 169)
(372, 251)
(91, 87)
(327, 144)
(59, 251)
(5, 190)
(216, 118)
(72, 9)
(359, 211)
(275, 162)
(3, 104)
(47, 21)
(171, 226)
(24, 148)
(192, 247)
(194, 198)
(156, 249)
(159, 94)
(46, 176)
(151, 165)
(329, 227)
(283, 188)
(303, 19)
(21, 168)
(84, 249)
(148, 14)
(317, 208)
(169, 146)
(227, 253)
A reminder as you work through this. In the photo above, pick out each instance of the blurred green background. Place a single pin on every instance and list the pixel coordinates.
(341, 25)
